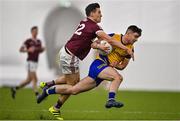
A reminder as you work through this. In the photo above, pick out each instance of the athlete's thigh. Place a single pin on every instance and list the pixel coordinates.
(60, 80)
(33, 76)
(108, 73)
(32, 66)
(28, 76)
(72, 79)
(85, 84)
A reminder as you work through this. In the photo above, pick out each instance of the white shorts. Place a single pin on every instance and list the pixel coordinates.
(69, 63)
(32, 66)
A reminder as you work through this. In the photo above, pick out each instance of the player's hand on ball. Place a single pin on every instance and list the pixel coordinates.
(104, 48)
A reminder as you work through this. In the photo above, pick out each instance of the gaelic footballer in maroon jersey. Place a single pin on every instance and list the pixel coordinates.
(36, 44)
(77, 48)
(33, 48)
(80, 42)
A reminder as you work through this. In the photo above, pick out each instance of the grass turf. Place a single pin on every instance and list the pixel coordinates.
(90, 105)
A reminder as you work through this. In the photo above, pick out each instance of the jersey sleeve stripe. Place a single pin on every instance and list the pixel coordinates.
(99, 31)
(111, 35)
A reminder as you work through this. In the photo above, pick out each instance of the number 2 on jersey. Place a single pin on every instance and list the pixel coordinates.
(81, 27)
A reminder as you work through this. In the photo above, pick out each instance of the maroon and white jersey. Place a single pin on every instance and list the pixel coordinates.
(33, 43)
(80, 42)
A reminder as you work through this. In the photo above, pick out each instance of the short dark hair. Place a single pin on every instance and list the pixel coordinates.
(134, 28)
(34, 27)
(91, 7)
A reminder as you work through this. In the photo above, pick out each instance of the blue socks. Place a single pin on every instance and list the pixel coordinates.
(51, 91)
(58, 104)
(112, 95)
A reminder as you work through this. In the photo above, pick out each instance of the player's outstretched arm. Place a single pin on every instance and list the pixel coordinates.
(113, 42)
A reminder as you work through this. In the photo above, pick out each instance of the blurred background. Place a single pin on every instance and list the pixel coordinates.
(157, 53)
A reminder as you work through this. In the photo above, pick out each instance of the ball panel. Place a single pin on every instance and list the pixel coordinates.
(106, 44)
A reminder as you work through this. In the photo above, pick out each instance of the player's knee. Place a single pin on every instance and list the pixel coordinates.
(74, 91)
(28, 81)
(28, 78)
(34, 79)
(118, 77)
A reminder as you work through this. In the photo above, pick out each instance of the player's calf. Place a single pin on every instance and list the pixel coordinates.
(61, 89)
(114, 86)
(117, 79)
(13, 92)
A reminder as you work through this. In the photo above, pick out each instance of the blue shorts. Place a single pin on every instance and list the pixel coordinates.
(96, 67)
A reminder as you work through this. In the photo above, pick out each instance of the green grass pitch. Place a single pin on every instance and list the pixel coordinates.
(90, 105)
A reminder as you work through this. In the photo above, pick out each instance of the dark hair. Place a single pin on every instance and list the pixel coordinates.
(91, 7)
(34, 27)
(134, 28)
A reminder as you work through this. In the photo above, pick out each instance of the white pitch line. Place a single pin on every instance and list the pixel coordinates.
(93, 111)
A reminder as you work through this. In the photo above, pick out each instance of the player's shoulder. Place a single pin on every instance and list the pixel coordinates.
(91, 25)
(28, 40)
(88, 21)
(116, 36)
(39, 40)
(111, 34)
(84, 20)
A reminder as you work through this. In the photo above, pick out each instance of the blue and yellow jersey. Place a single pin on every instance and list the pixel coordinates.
(117, 54)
